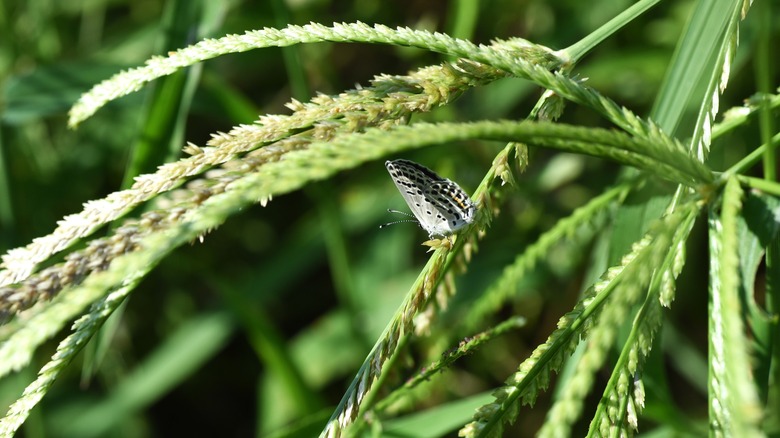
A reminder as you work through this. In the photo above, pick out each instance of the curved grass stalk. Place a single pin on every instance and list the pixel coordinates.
(619, 405)
(167, 229)
(83, 330)
(323, 117)
(352, 149)
(318, 162)
(322, 160)
(132, 80)
(516, 56)
(621, 283)
(601, 338)
(505, 286)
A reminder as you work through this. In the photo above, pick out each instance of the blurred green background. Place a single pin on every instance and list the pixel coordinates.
(264, 323)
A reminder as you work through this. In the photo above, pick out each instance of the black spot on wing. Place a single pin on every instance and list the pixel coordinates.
(410, 167)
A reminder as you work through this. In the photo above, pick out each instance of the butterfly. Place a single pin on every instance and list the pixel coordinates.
(439, 205)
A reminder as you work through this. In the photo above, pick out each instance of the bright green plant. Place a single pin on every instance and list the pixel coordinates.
(622, 310)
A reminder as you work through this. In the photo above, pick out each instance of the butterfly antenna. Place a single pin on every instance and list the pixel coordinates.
(390, 210)
(404, 221)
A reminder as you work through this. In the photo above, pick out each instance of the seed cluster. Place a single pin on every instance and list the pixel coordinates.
(79, 264)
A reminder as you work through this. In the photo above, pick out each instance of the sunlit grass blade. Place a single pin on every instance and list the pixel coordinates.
(692, 63)
(723, 52)
(579, 49)
(733, 401)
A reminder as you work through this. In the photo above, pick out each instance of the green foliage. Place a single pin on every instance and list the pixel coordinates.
(269, 229)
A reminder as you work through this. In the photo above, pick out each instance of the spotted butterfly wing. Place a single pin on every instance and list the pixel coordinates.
(440, 206)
